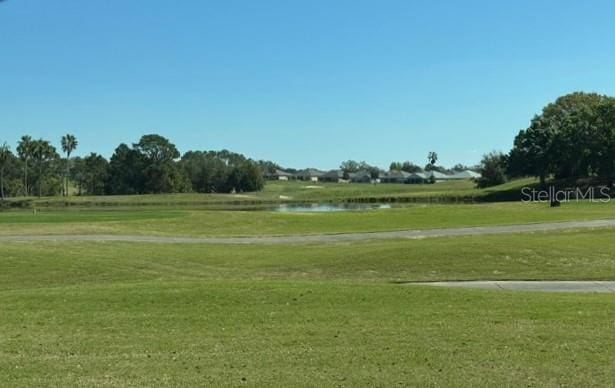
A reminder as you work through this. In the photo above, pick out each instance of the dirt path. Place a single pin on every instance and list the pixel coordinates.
(547, 286)
(327, 238)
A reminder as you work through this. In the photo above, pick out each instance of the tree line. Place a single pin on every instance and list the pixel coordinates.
(572, 138)
(152, 165)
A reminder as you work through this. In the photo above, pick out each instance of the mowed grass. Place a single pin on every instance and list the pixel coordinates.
(586, 254)
(91, 314)
(60, 217)
(169, 222)
(298, 334)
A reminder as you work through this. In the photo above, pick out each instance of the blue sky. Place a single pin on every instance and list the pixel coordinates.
(304, 83)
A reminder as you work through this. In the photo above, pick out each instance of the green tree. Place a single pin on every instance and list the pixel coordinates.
(126, 171)
(410, 167)
(221, 172)
(269, 166)
(350, 166)
(25, 150)
(160, 171)
(43, 152)
(604, 141)
(5, 158)
(395, 166)
(95, 174)
(492, 169)
(561, 141)
(156, 149)
(69, 144)
(250, 177)
(460, 167)
(77, 174)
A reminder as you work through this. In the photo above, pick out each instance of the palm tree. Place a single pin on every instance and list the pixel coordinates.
(69, 144)
(43, 151)
(432, 157)
(25, 149)
(5, 156)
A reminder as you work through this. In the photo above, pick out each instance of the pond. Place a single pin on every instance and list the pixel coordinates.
(327, 207)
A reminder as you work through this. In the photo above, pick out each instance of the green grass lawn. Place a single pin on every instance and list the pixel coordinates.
(91, 314)
(302, 334)
(120, 314)
(190, 222)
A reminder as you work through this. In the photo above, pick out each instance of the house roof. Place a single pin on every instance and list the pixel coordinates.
(396, 174)
(437, 175)
(359, 174)
(279, 172)
(420, 175)
(467, 174)
(311, 172)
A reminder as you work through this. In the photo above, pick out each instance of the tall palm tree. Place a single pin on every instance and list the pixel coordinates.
(69, 144)
(43, 152)
(25, 149)
(5, 156)
(432, 157)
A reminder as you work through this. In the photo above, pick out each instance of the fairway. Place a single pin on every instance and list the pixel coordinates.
(317, 308)
(202, 223)
(531, 285)
(112, 313)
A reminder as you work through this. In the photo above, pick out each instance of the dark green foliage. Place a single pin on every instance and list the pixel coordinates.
(268, 166)
(160, 172)
(6, 158)
(492, 170)
(47, 163)
(69, 144)
(11, 179)
(91, 174)
(572, 137)
(350, 166)
(126, 171)
(406, 166)
(432, 157)
(148, 167)
(221, 172)
(25, 148)
(394, 166)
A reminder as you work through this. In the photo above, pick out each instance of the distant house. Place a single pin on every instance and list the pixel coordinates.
(416, 177)
(310, 174)
(395, 177)
(438, 176)
(362, 177)
(279, 175)
(333, 176)
(404, 177)
(467, 174)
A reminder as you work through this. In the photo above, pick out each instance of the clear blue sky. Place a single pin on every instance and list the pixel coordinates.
(304, 83)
